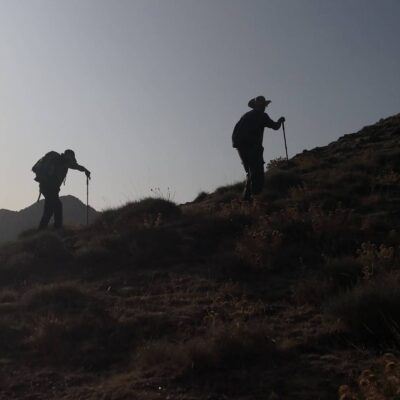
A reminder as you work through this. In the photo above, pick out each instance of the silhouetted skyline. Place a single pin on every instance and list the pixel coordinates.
(147, 92)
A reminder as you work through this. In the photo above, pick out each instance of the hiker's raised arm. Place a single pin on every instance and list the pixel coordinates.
(81, 168)
(269, 123)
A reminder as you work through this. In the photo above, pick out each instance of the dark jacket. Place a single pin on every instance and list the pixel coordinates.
(249, 131)
(57, 171)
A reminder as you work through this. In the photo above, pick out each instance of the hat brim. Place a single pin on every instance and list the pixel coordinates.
(252, 103)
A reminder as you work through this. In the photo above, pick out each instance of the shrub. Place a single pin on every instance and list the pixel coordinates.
(147, 211)
(8, 296)
(18, 265)
(376, 260)
(46, 246)
(226, 348)
(380, 381)
(101, 251)
(370, 312)
(226, 198)
(351, 183)
(58, 299)
(234, 188)
(281, 181)
(11, 337)
(141, 246)
(344, 272)
(152, 246)
(311, 291)
(83, 340)
(34, 257)
(67, 325)
(282, 239)
(28, 233)
(200, 197)
(390, 157)
(278, 163)
(337, 232)
(206, 232)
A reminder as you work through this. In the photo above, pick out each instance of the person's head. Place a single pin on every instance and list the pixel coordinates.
(69, 155)
(259, 103)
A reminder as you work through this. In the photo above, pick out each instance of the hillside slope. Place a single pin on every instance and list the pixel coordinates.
(12, 223)
(293, 296)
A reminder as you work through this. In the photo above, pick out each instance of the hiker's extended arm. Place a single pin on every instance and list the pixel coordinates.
(269, 123)
(81, 168)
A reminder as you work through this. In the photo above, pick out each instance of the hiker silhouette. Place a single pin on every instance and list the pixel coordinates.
(247, 138)
(51, 171)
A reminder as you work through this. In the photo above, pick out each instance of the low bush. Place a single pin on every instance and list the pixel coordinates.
(282, 239)
(153, 246)
(281, 181)
(312, 290)
(149, 211)
(85, 340)
(70, 326)
(17, 266)
(8, 296)
(279, 163)
(11, 337)
(377, 261)
(343, 273)
(234, 188)
(379, 382)
(46, 246)
(58, 299)
(225, 348)
(101, 251)
(370, 312)
(200, 197)
(33, 258)
(139, 246)
(205, 233)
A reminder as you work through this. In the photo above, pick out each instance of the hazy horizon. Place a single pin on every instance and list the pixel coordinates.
(147, 91)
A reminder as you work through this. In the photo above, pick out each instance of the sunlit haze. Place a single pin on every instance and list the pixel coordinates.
(147, 92)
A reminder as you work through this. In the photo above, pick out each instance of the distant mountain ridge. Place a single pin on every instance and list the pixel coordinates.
(12, 223)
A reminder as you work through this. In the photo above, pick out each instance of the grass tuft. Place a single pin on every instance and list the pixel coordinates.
(370, 312)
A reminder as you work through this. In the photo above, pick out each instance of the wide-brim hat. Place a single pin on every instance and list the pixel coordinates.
(258, 101)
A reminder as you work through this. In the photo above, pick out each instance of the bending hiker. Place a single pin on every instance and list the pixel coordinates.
(247, 138)
(51, 171)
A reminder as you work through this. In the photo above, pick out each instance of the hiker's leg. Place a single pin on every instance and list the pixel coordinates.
(257, 173)
(244, 156)
(47, 211)
(247, 188)
(58, 213)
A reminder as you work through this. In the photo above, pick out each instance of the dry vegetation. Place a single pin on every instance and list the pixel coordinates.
(293, 296)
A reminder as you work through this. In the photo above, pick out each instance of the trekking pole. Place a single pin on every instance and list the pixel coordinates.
(284, 137)
(87, 200)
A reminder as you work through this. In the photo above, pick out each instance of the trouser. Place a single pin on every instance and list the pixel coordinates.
(253, 163)
(52, 205)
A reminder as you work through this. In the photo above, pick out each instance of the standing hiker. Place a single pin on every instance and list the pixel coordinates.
(247, 138)
(51, 171)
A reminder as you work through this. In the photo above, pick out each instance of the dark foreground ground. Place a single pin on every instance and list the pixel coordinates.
(294, 296)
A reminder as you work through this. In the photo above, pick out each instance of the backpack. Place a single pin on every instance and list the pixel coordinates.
(46, 167)
(238, 135)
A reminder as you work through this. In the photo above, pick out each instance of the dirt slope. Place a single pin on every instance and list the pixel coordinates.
(288, 297)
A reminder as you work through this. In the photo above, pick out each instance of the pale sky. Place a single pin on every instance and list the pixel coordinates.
(147, 91)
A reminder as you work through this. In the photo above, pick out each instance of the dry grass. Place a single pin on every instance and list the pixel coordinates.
(226, 347)
(381, 382)
(149, 211)
(371, 312)
(218, 298)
